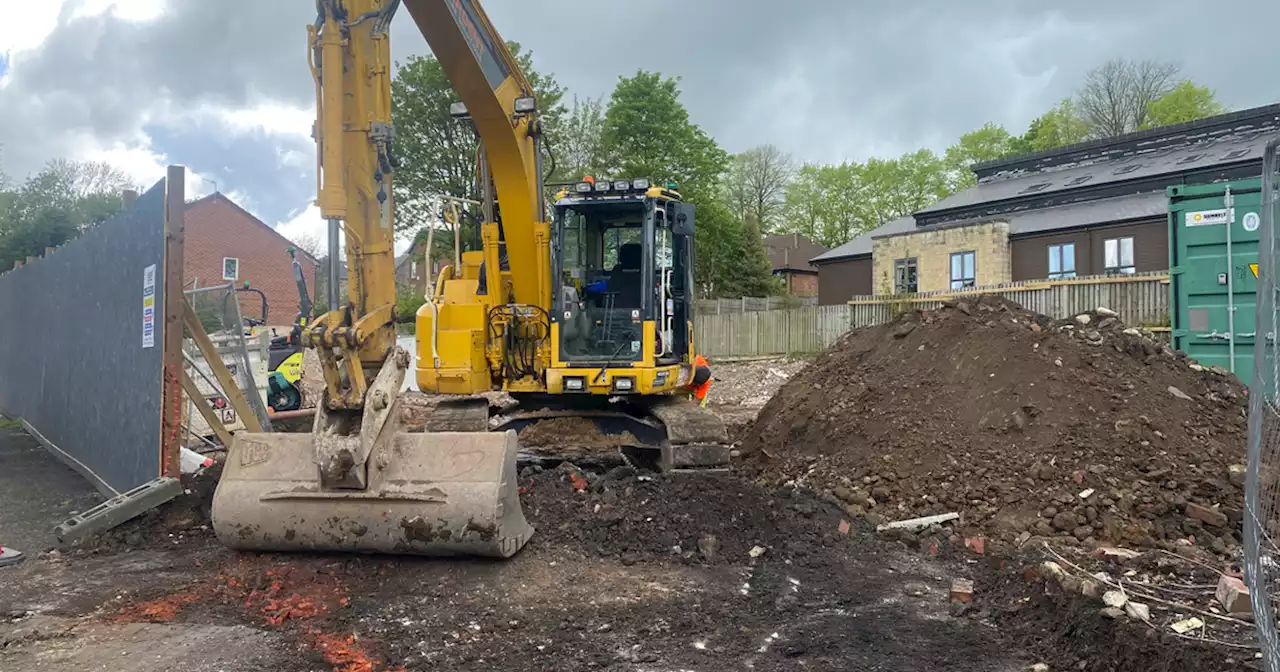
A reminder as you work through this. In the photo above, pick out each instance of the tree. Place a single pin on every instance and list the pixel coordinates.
(985, 144)
(757, 183)
(1058, 127)
(803, 204)
(55, 205)
(311, 244)
(1184, 102)
(899, 187)
(436, 151)
(751, 273)
(647, 133)
(1116, 96)
(577, 150)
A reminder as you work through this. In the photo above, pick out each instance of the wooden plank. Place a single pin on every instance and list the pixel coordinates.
(219, 368)
(202, 405)
(173, 312)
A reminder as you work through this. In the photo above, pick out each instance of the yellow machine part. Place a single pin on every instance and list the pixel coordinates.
(440, 493)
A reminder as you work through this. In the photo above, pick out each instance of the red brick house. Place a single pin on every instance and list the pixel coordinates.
(789, 254)
(226, 244)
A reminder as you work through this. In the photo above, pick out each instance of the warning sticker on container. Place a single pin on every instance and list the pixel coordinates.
(1208, 217)
(149, 306)
(1254, 268)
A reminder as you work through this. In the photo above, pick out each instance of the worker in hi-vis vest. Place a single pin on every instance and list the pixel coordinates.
(700, 384)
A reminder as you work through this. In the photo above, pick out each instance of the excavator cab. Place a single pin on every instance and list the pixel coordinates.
(623, 294)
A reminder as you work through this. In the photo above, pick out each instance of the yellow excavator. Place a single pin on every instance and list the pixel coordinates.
(588, 315)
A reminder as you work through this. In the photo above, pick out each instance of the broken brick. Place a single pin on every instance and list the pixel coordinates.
(844, 527)
(976, 544)
(962, 590)
(1233, 595)
(1206, 515)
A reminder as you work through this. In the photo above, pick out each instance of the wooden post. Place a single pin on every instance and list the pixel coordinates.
(175, 206)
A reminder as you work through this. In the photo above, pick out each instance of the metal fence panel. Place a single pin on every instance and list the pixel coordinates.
(74, 361)
(1262, 483)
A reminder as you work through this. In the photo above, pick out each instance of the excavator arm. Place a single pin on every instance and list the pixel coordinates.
(500, 102)
(350, 59)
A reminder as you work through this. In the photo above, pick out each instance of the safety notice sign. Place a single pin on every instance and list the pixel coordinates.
(149, 306)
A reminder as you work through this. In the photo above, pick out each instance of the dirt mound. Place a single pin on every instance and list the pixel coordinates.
(1081, 429)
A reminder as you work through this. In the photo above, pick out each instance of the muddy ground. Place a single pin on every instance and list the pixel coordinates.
(634, 571)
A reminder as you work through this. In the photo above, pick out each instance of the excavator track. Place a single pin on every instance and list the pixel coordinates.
(696, 437)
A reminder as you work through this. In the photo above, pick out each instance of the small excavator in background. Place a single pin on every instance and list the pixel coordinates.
(582, 308)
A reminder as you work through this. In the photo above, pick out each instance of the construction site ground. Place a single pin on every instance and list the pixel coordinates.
(627, 571)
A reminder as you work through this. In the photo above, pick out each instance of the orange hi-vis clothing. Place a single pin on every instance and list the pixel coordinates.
(700, 383)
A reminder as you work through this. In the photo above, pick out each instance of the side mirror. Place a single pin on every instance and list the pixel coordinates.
(683, 223)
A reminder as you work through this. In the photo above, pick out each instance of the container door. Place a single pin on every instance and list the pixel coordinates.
(1214, 273)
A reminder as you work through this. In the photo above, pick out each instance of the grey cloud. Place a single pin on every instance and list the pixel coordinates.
(823, 79)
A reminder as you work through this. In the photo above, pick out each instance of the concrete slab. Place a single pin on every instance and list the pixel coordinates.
(37, 491)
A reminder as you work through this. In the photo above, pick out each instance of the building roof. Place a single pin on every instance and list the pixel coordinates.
(792, 252)
(861, 244)
(219, 197)
(1230, 139)
(1118, 209)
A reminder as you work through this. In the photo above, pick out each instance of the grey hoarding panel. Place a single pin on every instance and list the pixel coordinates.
(72, 358)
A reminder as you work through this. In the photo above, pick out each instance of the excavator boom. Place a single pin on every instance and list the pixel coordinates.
(358, 482)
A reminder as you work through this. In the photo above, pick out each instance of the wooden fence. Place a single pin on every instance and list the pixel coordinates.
(754, 303)
(1139, 299)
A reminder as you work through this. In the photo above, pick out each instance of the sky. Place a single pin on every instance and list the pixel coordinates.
(223, 87)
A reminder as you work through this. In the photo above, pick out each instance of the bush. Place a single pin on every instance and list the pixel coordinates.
(407, 304)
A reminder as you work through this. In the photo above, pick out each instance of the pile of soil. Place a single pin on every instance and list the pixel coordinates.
(1080, 429)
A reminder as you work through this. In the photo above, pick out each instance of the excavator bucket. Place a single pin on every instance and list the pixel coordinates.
(381, 490)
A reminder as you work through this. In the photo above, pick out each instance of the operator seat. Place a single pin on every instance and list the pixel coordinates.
(625, 279)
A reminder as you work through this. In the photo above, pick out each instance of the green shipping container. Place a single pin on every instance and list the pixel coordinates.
(1213, 272)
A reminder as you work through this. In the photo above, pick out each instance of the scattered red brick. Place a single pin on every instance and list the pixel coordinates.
(579, 482)
(844, 527)
(1233, 595)
(962, 590)
(976, 544)
(1206, 515)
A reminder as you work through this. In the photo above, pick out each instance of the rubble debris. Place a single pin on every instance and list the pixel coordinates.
(1233, 595)
(708, 545)
(1137, 610)
(1115, 598)
(1187, 625)
(1115, 555)
(10, 556)
(962, 590)
(1055, 433)
(1206, 515)
(1180, 394)
(915, 524)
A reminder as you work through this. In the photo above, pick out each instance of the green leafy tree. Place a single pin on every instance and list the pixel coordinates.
(803, 204)
(988, 143)
(1058, 127)
(577, 149)
(1184, 102)
(57, 204)
(647, 133)
(751, 273)
(900, 186)
(437, 152)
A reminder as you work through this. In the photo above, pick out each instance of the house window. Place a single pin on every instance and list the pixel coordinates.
(1062, 261)
(904, 276)
(963, 270)
(1118, 256)
(413, 270)
(230, 268)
